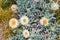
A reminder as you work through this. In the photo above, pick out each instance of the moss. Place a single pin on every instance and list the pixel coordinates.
(58, 15)
(6, 3)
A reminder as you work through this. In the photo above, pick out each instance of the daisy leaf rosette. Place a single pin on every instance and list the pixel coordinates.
(37, 20)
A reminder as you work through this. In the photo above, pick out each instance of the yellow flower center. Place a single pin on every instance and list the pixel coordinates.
(45, 21)
(24, 20)
(13, 22)
(26, 33)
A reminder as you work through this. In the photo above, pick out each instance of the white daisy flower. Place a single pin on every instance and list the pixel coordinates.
(13, 23)
(24, 20)
(44, 21)
(14, 7)
(54, 6)
(26, 33)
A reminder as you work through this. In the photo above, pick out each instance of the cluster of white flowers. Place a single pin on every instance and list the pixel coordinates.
(13, 23)
(24, 20)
